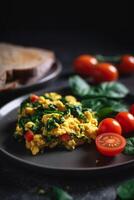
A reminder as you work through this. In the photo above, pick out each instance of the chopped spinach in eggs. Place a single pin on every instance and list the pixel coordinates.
(52, 120)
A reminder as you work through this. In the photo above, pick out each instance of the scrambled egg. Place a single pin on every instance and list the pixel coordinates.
(52, 120)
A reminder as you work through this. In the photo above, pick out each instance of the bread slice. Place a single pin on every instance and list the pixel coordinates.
(17, 62)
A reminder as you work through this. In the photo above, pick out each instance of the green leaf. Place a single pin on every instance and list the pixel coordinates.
(118, 106)
(60, 194)
(104, 107)
(76, 111)
(129, 148)
(110, 90)
(79, 86)
(112, 59)
(114, 89)
(126, 190)
(105, 112)
(94, 104)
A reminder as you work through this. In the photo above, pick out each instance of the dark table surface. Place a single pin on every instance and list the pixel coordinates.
(20, 183)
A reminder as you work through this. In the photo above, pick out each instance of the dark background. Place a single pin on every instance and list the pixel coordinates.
(108, 21)
(41, 15)
(109, 17)
(68, 29)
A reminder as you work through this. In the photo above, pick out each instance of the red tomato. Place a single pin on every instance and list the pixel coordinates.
(126, 121)
(110, 144)
(104, 72)
(65, 137)
(29, 136)
(132, 109)
(109, 125)
(84, 64)
(34, 98)
(126, 64)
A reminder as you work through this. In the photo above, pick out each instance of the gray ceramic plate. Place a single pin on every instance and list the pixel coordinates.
(83, 159)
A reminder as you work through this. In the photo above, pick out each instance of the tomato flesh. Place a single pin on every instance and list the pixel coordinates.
(126, 121)
(65, 137)
(104, 72)
(34, 98)
(84, 64)
(29, 136)
(110, 144)
(109, 125)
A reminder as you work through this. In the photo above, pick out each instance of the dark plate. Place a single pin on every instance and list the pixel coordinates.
(83, 159)
(51, 75)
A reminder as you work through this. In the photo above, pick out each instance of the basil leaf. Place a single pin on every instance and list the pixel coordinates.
(60, 194)
(129, 148)
(126, 190)
(79, 86)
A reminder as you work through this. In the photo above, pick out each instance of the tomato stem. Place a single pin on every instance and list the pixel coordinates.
(102, 58)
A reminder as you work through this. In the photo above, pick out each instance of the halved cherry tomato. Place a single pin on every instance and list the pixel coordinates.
(65, 137)
(34, 98)
(126, 64)
(84, 64)
(110, 144)
(126, 121)
(29, 136)
(132, 109)
(104, 72)
(109, 125)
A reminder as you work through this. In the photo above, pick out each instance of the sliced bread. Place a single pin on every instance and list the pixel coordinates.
(17, 62)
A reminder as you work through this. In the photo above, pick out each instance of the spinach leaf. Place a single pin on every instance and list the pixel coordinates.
(107, 89)
(22, 121)
(129, 148)
(79, 86)
(104, 113)
(126, 190)
(59, 194)
(110, 90)
(24, 104)
(52, 123)
(111, 59)
(76, 111)
(103, 107)
(114, 89)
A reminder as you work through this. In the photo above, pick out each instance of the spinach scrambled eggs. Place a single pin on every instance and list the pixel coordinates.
(52, 120)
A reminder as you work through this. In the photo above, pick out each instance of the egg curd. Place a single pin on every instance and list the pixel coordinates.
(52, 120)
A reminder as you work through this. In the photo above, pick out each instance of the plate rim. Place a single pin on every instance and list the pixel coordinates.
(5, 109)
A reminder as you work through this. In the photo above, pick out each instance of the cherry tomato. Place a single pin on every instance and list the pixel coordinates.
(104, 72)
(132, 109)
(126, 64)
(29, 136)
(110, 144)
(34, 98)
(109, 125)
(65, 137)
(84, 64)
(126, 121)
